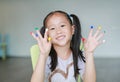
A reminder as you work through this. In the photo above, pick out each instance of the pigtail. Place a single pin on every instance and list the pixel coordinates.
(78, 34)
(42, 31)
(75, 44)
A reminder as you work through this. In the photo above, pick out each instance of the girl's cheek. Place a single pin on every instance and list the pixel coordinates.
(51, 34)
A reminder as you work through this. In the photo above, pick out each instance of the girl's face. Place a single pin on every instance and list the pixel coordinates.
(59, 29)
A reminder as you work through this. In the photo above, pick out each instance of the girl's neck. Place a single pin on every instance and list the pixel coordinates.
(63, 52)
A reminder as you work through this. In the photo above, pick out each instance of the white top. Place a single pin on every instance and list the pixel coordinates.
(64, 71)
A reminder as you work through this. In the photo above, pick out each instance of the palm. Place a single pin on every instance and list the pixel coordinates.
(93, 40)
(44, 44)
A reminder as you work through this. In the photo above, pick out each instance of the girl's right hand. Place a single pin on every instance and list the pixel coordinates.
(44, 44)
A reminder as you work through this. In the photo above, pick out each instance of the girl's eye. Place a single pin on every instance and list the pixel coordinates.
(62, 25)
(52, 28)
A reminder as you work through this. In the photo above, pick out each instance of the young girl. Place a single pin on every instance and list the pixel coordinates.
(61, 59)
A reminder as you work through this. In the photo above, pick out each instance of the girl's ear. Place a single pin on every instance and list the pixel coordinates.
(73, 29)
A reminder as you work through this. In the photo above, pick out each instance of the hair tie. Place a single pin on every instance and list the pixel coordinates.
(71, 18)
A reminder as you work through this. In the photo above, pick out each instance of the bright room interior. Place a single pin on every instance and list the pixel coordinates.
(19, 17)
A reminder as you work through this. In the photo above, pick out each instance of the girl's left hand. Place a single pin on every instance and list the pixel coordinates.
(93, 41)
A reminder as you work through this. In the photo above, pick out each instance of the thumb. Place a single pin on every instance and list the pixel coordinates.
(82, 44)
(83, 40)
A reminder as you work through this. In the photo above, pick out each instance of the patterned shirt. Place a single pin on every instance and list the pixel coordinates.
(64, 71)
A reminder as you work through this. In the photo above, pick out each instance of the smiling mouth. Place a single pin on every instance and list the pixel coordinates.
(60, 37)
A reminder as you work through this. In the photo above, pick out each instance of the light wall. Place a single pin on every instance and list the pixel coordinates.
(19, 17)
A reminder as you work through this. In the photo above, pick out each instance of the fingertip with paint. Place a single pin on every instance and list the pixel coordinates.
(99, 27)
(31, 33)
(91, 27)
(36, 28)
(49, 38)
(104, 41)
(36, 35)
(46, 29)
(83, 39)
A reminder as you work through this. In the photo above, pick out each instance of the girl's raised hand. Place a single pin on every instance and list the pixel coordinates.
(44, 43)
(93, 40)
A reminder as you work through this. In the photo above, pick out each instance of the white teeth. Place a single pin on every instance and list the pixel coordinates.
(60, 37)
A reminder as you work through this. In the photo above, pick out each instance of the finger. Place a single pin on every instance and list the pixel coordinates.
(39, 34)
(96, 34)
(99, 27)
(83, 39)
(46, 34)
(91, 31)
(49, 39)
(99, 36)
(101, 42)
(82, 44)
(35, 36)
(98, 30)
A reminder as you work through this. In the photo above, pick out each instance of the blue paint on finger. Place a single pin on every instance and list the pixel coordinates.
(36, 35)
(91, 27)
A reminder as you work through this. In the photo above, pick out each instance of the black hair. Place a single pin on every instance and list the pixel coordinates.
(75, 42)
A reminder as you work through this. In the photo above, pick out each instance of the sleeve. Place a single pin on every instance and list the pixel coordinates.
(81, 66)
(47, 69)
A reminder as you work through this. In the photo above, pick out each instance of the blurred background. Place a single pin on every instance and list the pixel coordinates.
(19, 17)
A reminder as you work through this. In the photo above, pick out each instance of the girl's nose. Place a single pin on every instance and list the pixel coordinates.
(58, 30)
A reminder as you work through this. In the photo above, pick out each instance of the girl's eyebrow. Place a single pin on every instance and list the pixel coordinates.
(50, 26)
(58, 23)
